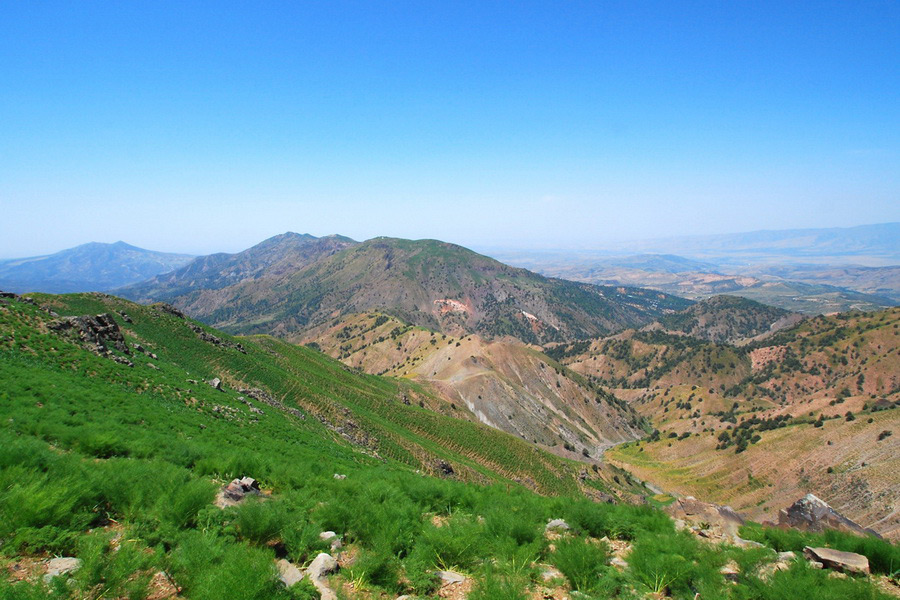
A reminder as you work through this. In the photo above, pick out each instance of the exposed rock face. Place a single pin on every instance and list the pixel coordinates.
(236, 491)
(721, 520)
(98, 333)
(813, 514)
(847, 562)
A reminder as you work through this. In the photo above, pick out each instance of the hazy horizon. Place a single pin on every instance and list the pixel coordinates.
(539, 125)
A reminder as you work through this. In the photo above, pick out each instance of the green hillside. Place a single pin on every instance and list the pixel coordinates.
(113, 461)
(428, 283)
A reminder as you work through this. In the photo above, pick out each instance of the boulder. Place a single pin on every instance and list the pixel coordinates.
(237, 490)
(718, 520)
(288, 573)
(813, 514)
(557, 524)
(57, 567)
(321, 566)
(846, 562)
(216, 383)
(450, 577)
(339, 476)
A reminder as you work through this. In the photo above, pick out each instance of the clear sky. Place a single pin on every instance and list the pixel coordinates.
(209, 126)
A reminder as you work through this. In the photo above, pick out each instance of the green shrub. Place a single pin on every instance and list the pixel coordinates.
(677, 564)
(581, 561)
(378, 569)
(496, 585)
(259, 521)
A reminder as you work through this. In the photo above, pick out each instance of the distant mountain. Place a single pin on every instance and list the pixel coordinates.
(727, 319)
(286, 285)
(873, 244)
(272, 259)
(86, 268)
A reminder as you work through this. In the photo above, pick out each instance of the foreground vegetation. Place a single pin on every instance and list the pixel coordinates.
(120, 465)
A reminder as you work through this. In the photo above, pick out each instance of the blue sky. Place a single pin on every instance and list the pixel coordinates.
(201, 126)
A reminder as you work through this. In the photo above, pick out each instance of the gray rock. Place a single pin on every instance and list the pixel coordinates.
(216, 383)
(557, 524)
(339, 476)
(57, 567)
(618, 562)
(450, 577)
(846, 562)
(288, 573)
(322, 565)
(551, 573)
(813, 514)
(786, 556)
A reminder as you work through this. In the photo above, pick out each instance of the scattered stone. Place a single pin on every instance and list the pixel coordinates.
(450, 577)
(444, 468)
(124, 316)
(235, 492)
(619, 563)
(216, 383)
(152, 366)
(321, 566)
(730, 571)
(162, 587)
(742, 543)
(288, 573)
(339, 476)
(557, 524)
(786, 556)
(551, 573)
(168, 308)
(846, 562)
(216, 341)
(813, 514)
(265, 398)
(57, 567)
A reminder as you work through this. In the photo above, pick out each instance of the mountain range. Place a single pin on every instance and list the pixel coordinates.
(428, 283)
(86, 268)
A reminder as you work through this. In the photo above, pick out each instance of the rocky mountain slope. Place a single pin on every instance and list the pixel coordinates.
(505, 385)
(433, 284)
(726, 319)
(810, 409)
(87, 268)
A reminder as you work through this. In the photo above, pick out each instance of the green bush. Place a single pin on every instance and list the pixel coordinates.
(581, 561)
(677, 564)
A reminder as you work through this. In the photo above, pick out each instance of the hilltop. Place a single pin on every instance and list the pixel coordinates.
(87, 268)
(428, 283)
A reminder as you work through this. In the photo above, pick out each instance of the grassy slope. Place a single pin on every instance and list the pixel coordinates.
(118, 465)
(324, 388)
